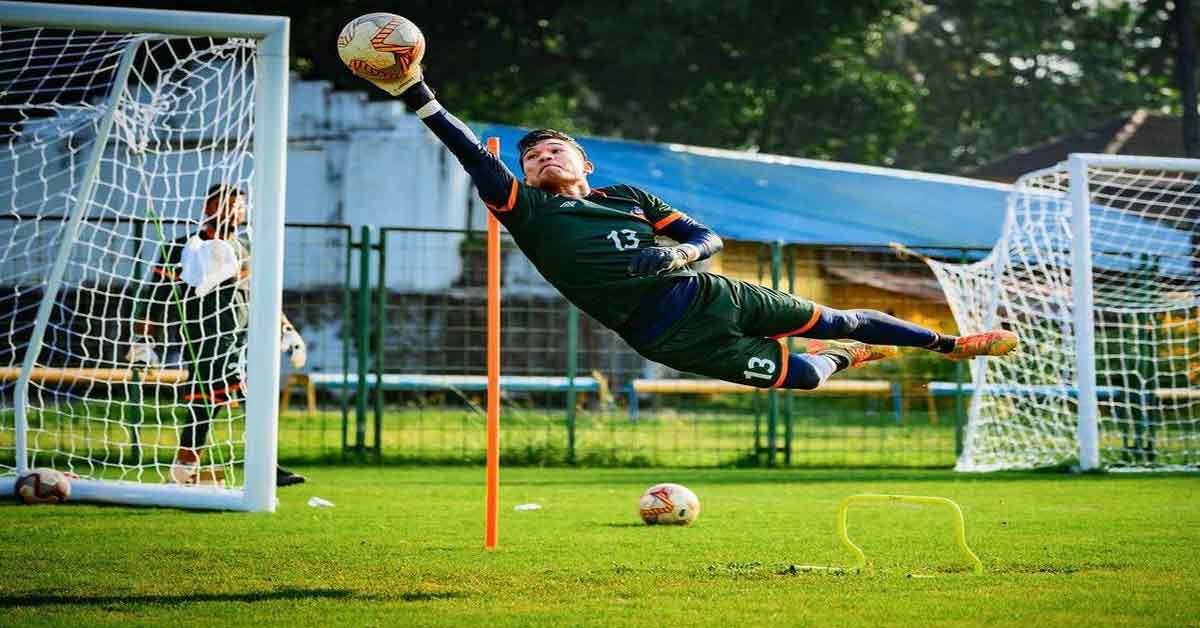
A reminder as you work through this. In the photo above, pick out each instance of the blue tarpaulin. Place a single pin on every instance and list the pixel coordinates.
(751, 196)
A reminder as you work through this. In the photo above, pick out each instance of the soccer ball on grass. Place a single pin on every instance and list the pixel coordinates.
(668, 504)
(381, 46)
(43, 486)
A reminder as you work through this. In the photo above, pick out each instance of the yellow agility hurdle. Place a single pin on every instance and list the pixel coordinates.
(860, 563)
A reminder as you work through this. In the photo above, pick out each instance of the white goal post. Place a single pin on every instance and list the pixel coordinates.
(1098, 270)
(115, 126)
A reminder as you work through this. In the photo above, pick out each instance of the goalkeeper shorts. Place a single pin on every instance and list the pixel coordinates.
(730, 332)
(215, 370)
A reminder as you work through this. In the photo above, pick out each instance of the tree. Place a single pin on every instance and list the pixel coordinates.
(1000, 75)
(937, 85)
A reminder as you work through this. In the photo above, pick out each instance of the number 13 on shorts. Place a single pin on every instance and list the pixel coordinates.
(760, 368)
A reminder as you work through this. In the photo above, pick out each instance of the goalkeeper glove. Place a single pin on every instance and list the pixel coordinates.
(400, 85)
(291, 342)
(657, 260)
(142, 352)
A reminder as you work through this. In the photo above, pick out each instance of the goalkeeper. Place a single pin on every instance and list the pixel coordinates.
(597, 247)
(200, 291)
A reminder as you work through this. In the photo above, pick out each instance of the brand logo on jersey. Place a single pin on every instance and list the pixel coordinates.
(637, 211)
(568, 204)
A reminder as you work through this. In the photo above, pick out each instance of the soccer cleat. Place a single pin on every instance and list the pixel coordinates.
(860, 352)
(992, 343)
(186, 466)
(283, 477)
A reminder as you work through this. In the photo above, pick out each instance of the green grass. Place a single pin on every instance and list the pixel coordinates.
(403, 547)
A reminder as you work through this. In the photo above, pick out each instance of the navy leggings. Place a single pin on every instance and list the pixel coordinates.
(871, 327)
(807, 372)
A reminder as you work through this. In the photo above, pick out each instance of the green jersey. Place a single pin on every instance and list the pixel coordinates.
(222, 312)
(583, 246)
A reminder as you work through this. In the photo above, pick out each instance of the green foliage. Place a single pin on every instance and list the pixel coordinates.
(1002, 75)
(934, 85)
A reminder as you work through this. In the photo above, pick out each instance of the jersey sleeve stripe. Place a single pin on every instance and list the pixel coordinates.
(783, 361)
(816, 316)
(671, 217)
(512, 200)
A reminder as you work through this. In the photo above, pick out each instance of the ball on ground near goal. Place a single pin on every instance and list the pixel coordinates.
(669, 504)
(43, 486)
(381, 46)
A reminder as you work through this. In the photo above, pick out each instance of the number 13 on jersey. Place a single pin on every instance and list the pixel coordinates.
(625, 239)
(754, 365)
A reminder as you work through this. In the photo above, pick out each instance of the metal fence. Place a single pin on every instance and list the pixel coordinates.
(397, 349)
(395, 324)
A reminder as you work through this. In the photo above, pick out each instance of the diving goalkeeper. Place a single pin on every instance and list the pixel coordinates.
(200, 293)
(597, 247)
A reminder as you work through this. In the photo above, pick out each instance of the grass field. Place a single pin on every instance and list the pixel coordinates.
(403, 547)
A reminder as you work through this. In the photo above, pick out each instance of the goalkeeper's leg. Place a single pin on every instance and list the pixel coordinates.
(775, 314)
(191, 440)
(191, 443)
(724, 337)
(874, 327)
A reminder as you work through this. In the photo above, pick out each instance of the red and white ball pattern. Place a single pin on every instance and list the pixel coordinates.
(381, 46)
(43, 486)
(669, 504)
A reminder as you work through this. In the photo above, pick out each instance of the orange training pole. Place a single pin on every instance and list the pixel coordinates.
(493, 370)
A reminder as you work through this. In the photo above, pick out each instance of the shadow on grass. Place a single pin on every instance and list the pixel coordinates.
(290, 594)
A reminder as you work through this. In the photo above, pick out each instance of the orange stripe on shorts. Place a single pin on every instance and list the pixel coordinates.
(784, 364)
(816, 315)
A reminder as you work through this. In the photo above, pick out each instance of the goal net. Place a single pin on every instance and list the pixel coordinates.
(1098, 270)
(128, 298)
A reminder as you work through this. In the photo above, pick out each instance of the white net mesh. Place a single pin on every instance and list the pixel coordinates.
(182, 123)
(1145, 251)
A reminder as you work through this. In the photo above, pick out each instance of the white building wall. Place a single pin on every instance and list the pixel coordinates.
(362, 162)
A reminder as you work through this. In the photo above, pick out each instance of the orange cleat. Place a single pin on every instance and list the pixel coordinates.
(991, 343)
(860, 352)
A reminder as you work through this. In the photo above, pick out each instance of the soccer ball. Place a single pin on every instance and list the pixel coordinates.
(669, 503)
(381, 46)
(43, 486)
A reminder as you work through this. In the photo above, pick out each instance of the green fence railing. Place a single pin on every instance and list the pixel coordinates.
(413, 389)
(395, 322)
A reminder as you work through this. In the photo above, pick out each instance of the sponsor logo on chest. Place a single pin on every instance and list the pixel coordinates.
(633, 211)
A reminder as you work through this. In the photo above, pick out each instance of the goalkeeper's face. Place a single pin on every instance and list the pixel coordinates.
(554, 164)
(226, 214)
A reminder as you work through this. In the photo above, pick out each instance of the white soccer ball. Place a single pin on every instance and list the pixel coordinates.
(669, 504)
(43, 486)
(381, 46)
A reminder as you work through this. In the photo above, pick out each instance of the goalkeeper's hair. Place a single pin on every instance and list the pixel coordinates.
(222, 191)
(537, 135)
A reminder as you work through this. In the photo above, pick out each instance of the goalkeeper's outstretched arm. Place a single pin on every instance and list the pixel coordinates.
(492, 178)
(496, 183)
